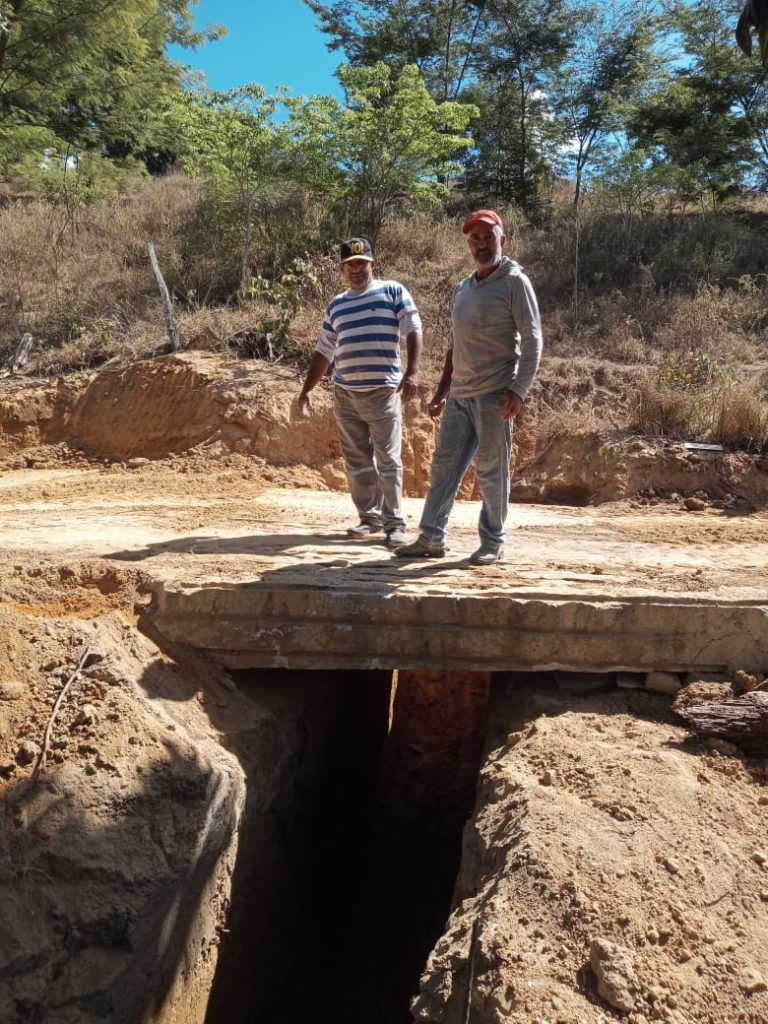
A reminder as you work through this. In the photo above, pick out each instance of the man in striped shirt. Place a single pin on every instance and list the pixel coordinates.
(361, 334)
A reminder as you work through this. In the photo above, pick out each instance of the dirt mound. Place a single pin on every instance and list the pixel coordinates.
(613, 870)
(205, 406)
(592, 468)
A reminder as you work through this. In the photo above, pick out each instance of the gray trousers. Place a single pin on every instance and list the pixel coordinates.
(370, 428)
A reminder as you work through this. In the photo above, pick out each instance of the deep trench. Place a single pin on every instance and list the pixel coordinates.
(343, 886)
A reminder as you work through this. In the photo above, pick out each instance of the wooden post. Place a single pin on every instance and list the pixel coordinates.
(170, 319)
(23, 352)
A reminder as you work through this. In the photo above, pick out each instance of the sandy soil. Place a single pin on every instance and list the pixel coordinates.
(614, 868)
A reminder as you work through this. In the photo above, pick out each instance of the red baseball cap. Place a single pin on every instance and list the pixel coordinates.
(481, 217)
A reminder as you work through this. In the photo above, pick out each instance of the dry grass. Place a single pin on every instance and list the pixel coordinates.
(651, 290)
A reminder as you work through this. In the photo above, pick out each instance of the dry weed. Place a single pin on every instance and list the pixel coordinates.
(740, 418)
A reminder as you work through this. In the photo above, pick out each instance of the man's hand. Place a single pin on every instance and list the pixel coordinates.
(408, 388)
(437, 406)
(304, 405)
(510, 405)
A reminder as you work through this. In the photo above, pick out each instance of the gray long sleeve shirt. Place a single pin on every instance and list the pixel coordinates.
(496, 328)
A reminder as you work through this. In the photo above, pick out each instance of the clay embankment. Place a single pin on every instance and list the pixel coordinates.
(613, 869)
(203, 405)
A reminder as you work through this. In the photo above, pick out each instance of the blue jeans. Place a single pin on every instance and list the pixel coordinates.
(370, 429)
(469, 427)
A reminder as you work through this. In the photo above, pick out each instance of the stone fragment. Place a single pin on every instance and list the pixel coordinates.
(629, 681)
(27, 752)
(662, 682)
(137, 463)
(86, 715)
(11, 691)
(760, 857)
(751, 981)
(746, 681)
(722, 746)
(694, 504)
(616, 979)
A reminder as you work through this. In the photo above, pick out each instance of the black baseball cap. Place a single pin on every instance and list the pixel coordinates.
(356, 249)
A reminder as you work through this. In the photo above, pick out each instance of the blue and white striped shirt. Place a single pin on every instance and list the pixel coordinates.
(361, 334)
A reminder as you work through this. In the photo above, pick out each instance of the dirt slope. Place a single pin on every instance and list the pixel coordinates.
(202, 404)
(613, 868)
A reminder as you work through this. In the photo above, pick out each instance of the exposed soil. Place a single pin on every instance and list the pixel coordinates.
(614, 868)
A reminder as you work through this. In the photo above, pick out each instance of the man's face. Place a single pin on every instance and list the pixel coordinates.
(485, 244)
(358, 273)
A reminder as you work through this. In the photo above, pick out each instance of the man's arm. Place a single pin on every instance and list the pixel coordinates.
(413, 345)
(437, 404)
(317, 368)
(525, 310)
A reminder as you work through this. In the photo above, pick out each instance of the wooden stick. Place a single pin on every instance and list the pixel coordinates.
(43, 758)
(170, 319)
(471, 979)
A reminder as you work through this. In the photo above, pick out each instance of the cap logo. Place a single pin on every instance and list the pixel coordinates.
(357, 248)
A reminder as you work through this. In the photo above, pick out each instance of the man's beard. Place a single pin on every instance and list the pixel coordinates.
(487, 259)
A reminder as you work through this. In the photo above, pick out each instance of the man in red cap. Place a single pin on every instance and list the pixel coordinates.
(489, 368)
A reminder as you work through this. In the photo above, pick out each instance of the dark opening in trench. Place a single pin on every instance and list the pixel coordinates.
(343, 885)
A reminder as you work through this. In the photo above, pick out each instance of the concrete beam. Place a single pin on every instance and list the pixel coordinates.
(295, 627)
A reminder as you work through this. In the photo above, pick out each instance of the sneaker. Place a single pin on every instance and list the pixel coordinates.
(363, 530)
(395, 538)
(421, 548)
(487, 554)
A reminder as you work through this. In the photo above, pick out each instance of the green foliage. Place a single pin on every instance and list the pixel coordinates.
(77, 180)
(436, 36)
(387, 148)
(609, 67)
(231, 140)
(708, 115)
(500, 56)
(89, 73)
(288, 293)
(228, 135)
(692, 372)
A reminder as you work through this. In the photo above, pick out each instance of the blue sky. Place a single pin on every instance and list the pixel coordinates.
(272, 42)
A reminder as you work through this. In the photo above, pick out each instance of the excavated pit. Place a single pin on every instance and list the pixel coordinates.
(342, 890)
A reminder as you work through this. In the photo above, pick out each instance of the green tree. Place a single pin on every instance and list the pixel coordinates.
(496, 54)
(436, 36)
(90, 72)
(387, 147)
(708, 117)
(611, 65)
(523, 48)
(232, 141)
